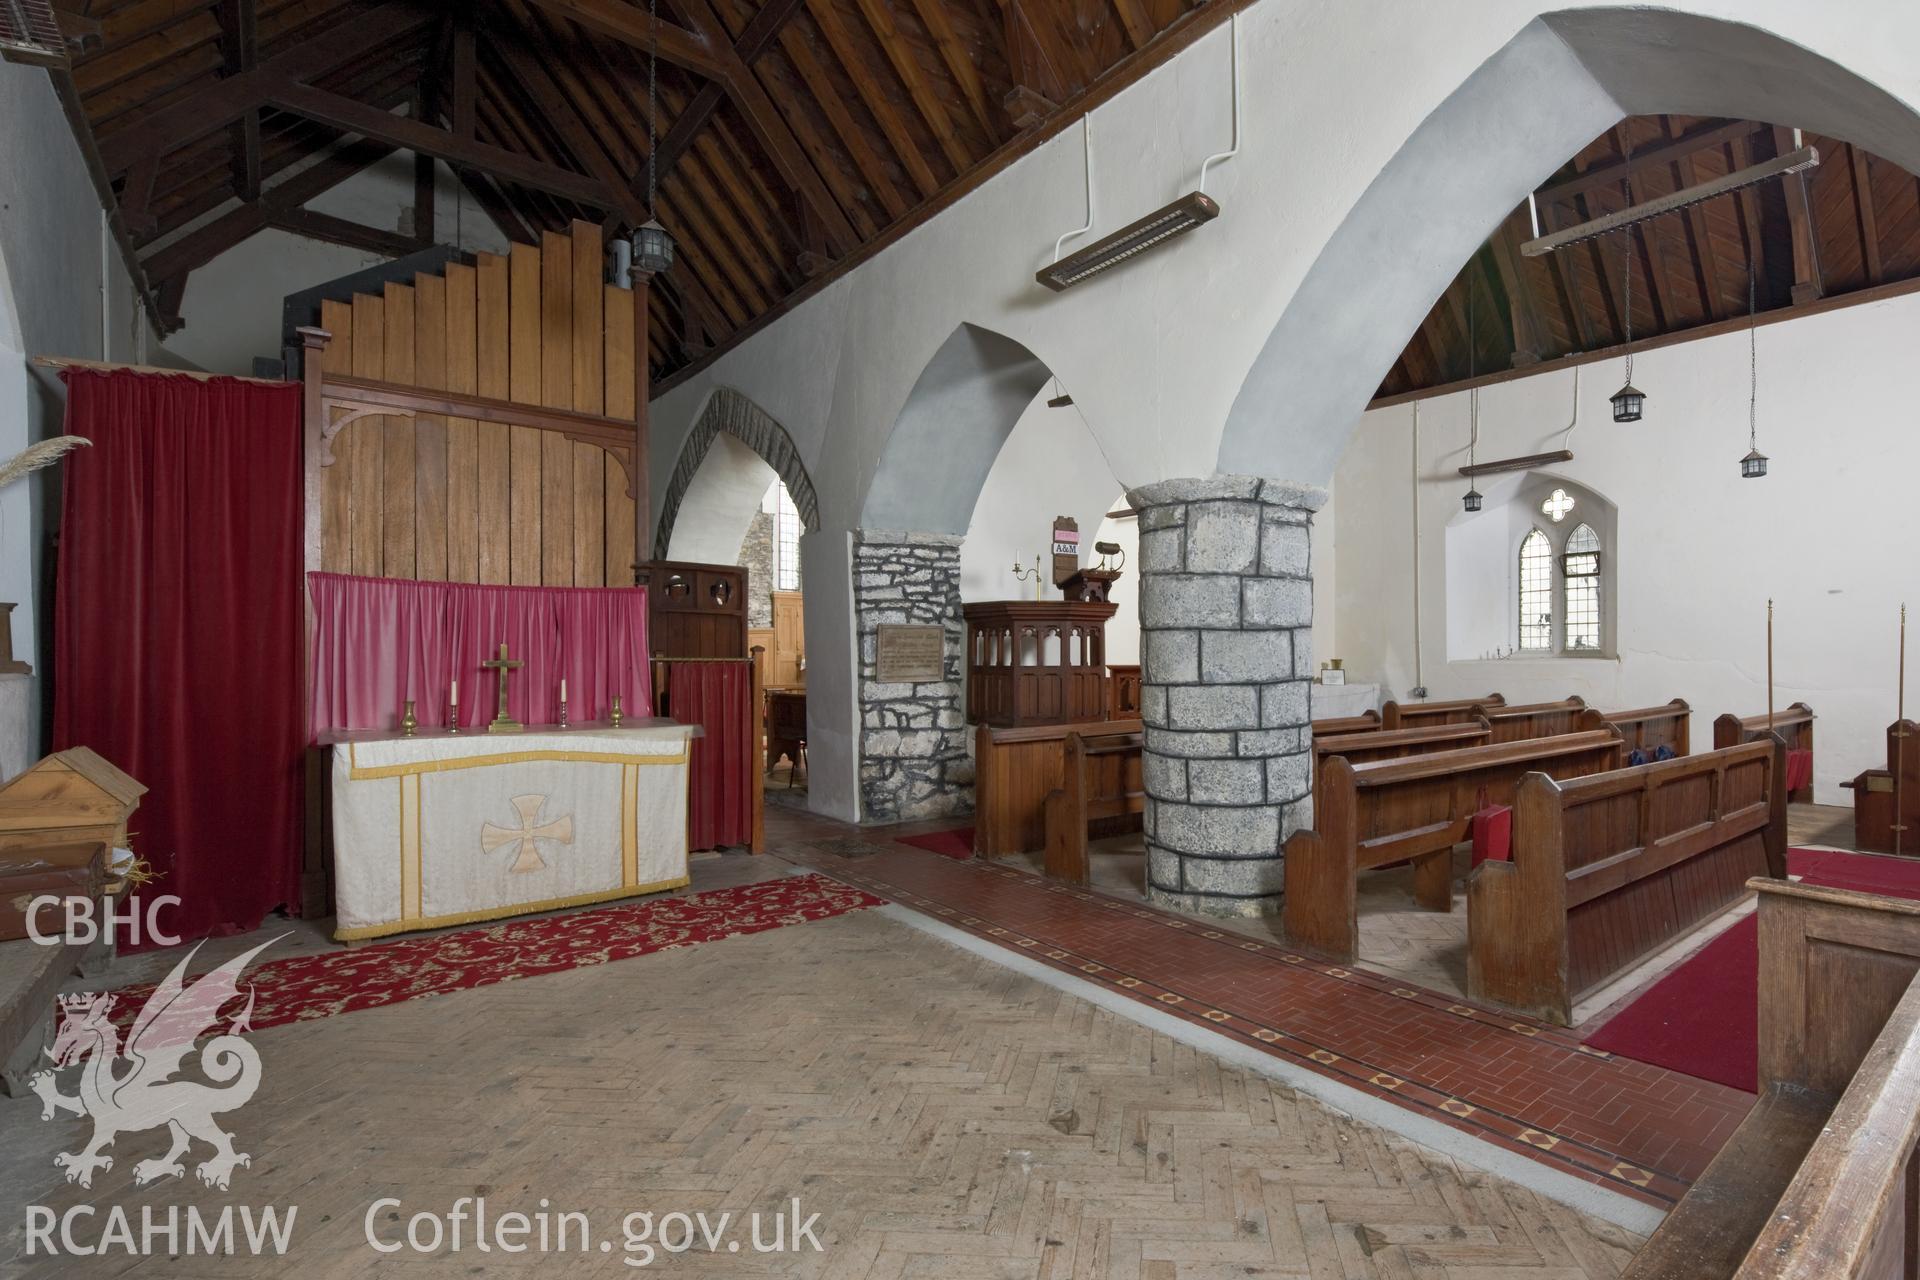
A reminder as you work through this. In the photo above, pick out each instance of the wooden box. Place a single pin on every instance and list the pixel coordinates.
(72, 795)
(76, 870)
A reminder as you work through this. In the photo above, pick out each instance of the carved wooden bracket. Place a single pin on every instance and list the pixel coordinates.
(350, 412)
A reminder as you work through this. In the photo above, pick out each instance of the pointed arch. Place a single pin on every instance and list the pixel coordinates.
(960, 412)
(729, 411)
(1570, 75)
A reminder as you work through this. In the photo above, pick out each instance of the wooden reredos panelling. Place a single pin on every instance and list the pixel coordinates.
(470, 501)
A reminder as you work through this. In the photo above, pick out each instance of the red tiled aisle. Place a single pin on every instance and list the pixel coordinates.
(1523, 1085)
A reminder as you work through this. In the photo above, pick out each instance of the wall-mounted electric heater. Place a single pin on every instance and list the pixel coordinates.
(29, 33)
(1182, 216)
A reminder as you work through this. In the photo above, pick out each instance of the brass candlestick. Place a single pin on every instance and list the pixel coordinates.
(563, 712)
(616, 711)
(407, 723)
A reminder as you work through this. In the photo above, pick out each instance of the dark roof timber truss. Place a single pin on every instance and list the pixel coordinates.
(796, 137)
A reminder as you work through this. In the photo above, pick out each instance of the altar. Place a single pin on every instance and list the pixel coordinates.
(442, 829)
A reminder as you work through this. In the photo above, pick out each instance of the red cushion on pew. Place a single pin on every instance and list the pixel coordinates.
(1799, 768)
(1493, 834)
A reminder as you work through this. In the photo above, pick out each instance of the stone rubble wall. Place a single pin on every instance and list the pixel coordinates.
(915, 761)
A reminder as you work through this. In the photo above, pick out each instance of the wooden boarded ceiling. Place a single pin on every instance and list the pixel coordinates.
(1855, 225)
(795, 137)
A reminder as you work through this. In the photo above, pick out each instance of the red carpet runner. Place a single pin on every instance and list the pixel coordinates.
(300, 988)
(1703, 1018)
(957, 843)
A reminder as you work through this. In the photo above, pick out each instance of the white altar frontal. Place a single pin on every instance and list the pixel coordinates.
(444, 829)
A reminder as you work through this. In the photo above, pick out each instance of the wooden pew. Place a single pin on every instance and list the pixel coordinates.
(1100, 782)
(1533, 720)
(1366, 722)
(1396, 744)
(1818, 1182)
(1794, 724)
(1610, 868)
(1886, 802)
(1415, 715)
(1647, 729)
(1415, 809)
(1014, 770)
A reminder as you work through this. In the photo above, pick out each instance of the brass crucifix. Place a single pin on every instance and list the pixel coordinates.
(502, 722)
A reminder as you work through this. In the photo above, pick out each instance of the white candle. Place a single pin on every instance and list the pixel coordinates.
(453, 698)
(563, 688)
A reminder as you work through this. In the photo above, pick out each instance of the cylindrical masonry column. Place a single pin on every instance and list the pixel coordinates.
(1226, 618)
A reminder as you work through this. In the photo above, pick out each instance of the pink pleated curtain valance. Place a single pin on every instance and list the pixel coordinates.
(380, 641)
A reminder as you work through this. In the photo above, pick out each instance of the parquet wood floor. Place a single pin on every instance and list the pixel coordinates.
(944, 1115)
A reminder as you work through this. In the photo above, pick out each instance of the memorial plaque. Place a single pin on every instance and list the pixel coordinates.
(910, 653)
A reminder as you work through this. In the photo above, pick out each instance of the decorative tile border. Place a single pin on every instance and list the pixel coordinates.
(1393, 1082)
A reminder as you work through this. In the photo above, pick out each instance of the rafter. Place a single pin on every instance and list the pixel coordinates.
(226, 101)
(692, 49)
(1807, 283)
(204, 244)
(416, 135)
(239, 49)
(879, 16)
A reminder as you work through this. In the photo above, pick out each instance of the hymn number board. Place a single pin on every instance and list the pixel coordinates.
(1066, 548)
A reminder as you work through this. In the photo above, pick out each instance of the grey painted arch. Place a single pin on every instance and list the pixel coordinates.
(1560, 82)
(960, 412)
(729, 411)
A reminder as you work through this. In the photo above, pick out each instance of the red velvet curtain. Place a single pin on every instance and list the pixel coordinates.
(379, 641)
(177, 629)
(717, 696)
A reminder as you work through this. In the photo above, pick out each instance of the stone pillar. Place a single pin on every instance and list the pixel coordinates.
(1226, 618)
(914, 761)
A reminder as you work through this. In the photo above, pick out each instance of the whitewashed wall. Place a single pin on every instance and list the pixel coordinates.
(1050, 466)
(1829, 533)
(233, 304)
(1381, 143)
(67, 293)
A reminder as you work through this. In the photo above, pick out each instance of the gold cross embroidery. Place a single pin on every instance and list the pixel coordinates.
(528, 837)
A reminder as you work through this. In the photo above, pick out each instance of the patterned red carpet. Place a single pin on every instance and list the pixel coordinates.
(305, 987)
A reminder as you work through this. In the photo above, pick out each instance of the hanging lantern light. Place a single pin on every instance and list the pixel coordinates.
(652, 246)
(1472, 501)
(1629, 400)
(1754, 465)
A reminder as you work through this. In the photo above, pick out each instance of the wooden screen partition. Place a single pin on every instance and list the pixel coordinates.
(696, 610)
(1794, 724)
(1607, 870)
(1415, 715)
(1014, 770)
(1647, 729)
(1036, 661)
(480, 426)
(1417, 809)
(1123, 691)
(1817, 1182)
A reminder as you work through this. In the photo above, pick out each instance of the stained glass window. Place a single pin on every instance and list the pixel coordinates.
(1581, 565)
(1536, 593)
